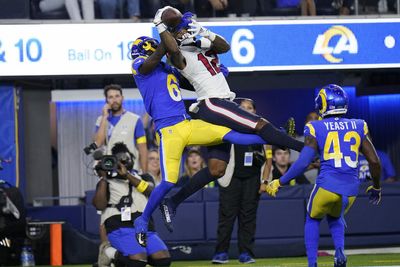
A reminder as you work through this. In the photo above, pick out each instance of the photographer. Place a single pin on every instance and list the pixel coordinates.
(118, 125)
(121, 195)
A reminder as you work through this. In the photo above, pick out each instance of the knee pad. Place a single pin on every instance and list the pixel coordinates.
(164, 262)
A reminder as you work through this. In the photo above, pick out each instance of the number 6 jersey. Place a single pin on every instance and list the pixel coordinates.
(339, 141)
(161, 93)
(202, 71)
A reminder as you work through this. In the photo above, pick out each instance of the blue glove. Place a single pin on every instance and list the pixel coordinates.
(224, 70)
(374, 195)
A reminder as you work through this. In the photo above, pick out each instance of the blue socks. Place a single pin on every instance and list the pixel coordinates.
(336, 227)
(234, 137)
(311, 238)
(155, 198)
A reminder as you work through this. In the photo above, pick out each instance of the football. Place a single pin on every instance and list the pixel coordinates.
(171, 17)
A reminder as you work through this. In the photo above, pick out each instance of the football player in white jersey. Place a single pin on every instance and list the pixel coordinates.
(197, 60)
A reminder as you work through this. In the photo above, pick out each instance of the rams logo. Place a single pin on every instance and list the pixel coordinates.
(329, 49)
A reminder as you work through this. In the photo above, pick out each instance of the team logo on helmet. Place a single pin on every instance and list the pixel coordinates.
(331, 100)
(143, 46)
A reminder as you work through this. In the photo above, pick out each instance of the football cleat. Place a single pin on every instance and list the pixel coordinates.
(141, 239)
(340, 259)
(290, 127)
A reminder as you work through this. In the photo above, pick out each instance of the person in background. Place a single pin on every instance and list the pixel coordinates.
(119, 125)
(121, 196)
(239, 197)
(308, 8)
(153, 166)
(72, 6)
(388, 173)
(280, 166)
(312, 170)
(194, 162)
(110, 8)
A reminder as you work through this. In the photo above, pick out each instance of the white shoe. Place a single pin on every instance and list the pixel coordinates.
(103, 260)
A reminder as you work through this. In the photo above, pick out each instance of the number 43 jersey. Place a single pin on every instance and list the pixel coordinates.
(161, 93)
(202, 71)
(339, 142)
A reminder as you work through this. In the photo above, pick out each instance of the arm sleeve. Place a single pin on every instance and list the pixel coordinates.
(140, 135)
(299, 166)
(136, 65)
(365, 130)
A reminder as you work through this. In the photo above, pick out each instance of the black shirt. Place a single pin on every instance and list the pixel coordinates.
(276, 174)
(242, 171)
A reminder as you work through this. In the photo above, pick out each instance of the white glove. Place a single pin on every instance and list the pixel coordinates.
(203, 43)
(197, 29)
(161, 27)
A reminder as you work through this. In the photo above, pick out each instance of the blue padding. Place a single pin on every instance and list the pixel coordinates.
(211, 194)
(89, 196)
(287, 192)
(92, 220)
(212, 222)
(280, 218)
(72, 214)
(188, 223)
(196, 197)
(364, 218)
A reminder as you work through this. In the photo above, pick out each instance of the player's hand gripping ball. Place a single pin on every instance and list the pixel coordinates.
(171, 17)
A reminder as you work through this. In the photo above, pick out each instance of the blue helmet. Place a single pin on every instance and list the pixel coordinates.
(142, 46)
(184, 23)
(331, 100)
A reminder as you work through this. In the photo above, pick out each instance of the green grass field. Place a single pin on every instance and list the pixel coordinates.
(353, 260)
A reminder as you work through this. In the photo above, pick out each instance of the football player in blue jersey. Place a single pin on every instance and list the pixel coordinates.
(338, 141)
(158, 84)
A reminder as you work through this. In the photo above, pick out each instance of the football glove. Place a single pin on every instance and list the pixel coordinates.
(273, 187)
(160, 26)
(374, 195)
(196, 29)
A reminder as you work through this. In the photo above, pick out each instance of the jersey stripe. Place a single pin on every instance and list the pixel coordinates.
(312, 129)
(230, 114)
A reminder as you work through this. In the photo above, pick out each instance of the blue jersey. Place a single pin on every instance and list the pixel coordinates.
(160, 92)
(339, 141)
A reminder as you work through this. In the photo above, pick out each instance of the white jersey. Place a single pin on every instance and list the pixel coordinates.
(202, 71)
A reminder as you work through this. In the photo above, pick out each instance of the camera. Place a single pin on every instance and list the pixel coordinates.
(90, 148)
(108, 163)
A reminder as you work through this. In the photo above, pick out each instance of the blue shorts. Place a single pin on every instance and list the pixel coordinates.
(125, 242)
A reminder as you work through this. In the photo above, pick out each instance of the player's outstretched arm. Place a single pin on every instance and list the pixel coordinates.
(306, 156)
(368, 149)
(217, 43)
(153, 60)
(177, 59)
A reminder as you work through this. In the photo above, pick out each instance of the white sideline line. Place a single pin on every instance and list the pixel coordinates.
(368, 251)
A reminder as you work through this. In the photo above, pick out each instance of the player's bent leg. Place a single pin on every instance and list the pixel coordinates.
(274, 136)
(172, 144)
(237, 138)
(219, 157)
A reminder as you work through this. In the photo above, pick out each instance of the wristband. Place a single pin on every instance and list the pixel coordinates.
(142, 186)
(268, 154)
(161, 28)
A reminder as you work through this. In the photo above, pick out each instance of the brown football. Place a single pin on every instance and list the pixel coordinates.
(171, 17)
